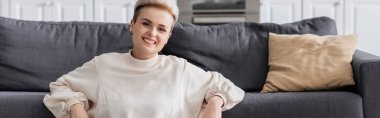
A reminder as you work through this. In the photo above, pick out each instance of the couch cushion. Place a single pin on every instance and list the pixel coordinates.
(35, 53)
(23, 105)
(298, 105)
(240, 50)
(309, 62)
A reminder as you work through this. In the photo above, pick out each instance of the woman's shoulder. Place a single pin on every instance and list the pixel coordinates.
(183, 61)
(179, 61)
(173, 59)
(112, 56)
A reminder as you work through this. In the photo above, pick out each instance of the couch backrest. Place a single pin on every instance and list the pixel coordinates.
(35, 53)
(240, 50)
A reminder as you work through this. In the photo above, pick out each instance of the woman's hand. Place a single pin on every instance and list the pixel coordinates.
(78, 111)
(214, 108)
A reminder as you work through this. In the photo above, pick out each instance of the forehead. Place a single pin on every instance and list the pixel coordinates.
(156, 16)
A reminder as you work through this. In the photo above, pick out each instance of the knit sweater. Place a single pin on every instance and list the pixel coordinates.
(116, 85)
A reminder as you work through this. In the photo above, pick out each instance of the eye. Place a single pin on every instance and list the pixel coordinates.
(145, 23)
(162, 29)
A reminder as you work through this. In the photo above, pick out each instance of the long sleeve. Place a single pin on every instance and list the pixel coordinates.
(216, 85)
(71, 89)
(223, 87)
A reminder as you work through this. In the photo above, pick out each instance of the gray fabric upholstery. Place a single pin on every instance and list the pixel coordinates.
(33, 54)
(239, 51)
(366, 69)
(298, 105)
(23, 105)
(254, 105)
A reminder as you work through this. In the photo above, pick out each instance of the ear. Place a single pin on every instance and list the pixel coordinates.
(170, 34)
(131, 25)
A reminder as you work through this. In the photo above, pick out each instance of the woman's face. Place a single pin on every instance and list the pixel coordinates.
(151, 31)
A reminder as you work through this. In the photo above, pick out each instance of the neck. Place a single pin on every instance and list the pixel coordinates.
(140, 56)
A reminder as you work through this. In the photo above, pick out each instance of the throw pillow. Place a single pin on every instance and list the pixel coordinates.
(309, 62)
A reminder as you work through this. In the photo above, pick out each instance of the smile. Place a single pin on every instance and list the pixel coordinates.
(149, 41)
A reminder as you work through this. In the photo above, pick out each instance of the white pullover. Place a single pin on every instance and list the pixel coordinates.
(116, 85)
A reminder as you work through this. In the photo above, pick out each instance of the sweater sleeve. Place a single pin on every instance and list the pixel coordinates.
(71, 89)
(224, 88)
(217, 85)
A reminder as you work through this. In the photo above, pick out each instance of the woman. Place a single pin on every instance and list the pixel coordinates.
(141, 83)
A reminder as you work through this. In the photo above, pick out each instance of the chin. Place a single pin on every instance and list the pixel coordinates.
(150, 51)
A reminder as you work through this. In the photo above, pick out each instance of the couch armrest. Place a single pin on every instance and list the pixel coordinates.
(366, 69)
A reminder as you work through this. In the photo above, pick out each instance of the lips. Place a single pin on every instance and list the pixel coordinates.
(149, 41)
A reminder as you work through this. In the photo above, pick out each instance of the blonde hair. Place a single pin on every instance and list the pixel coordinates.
(161, 4)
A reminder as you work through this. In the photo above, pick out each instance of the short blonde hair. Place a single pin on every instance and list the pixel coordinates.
(167, 5)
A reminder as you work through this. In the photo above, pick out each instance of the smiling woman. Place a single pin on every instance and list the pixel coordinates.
(151, 31)
(141, 83)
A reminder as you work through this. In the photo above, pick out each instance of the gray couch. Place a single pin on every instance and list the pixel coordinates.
(35, 53)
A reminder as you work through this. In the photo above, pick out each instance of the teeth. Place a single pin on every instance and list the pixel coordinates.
(149, 41)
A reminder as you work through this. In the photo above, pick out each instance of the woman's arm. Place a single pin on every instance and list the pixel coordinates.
(213, 108)
(213, 85)
(78, 111)
(69, 90)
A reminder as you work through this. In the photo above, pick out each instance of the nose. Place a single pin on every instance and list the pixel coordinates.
(153, 32)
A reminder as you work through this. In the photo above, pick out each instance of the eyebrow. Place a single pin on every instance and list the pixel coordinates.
(145, 19)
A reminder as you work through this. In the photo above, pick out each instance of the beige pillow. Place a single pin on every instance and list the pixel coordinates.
(309, 62)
